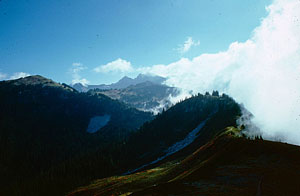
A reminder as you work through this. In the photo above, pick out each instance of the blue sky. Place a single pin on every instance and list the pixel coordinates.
(67, 40)
(242, 48)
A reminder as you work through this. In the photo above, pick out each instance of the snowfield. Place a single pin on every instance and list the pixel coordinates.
(97, 122)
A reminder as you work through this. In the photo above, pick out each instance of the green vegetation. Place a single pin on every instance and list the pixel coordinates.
(232, 131)
(227, 165)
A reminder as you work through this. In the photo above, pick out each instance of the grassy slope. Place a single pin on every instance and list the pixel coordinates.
(227, 165)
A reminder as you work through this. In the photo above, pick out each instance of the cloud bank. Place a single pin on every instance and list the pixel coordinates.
(263, 72)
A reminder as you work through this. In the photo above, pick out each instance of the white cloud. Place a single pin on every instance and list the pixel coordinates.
(117, 66)
(14, 76)
(263, 72)
(3, 76)
(187, 45)
(83, 81)
(75, 72)
(77, 64)
(18, 75)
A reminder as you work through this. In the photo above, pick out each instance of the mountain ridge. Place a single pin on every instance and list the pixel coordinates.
(45, 143)
(145, 96)
(229, 164)
(122, 83)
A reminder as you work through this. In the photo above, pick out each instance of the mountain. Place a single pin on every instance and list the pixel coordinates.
(229, 164)
(122, 83)
(49, 131)
(55, 140)
(145, 96)
(48, 135)
(149, 78)
(196, 148)
(80, 87)
(179, 131)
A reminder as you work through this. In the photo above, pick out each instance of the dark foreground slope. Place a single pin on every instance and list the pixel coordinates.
(227, 165)
(43, 137)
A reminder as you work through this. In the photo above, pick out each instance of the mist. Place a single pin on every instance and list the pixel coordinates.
(262, 73)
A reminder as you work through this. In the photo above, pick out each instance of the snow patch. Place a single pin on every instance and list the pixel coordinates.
(175, 147)
(97, 122)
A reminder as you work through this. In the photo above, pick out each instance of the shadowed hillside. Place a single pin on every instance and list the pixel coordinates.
(164, 134)
(227, 165)
(45, 143)
(168, 140)
(44, 140)
(192, 148)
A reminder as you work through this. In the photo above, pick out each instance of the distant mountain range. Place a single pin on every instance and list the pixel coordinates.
(122, 83)
(145, 96)
(145, 92)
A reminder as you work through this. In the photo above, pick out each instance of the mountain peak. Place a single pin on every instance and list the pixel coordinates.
(32, 80)
(123, 82)
(125, 78)
(38, 80)
(141, 76)
(150, 78)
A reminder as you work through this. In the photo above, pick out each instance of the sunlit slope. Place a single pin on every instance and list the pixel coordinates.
(227, 165)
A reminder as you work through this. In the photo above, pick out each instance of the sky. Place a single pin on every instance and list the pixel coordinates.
(247, 49)
(73, 40)
(262, 73)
